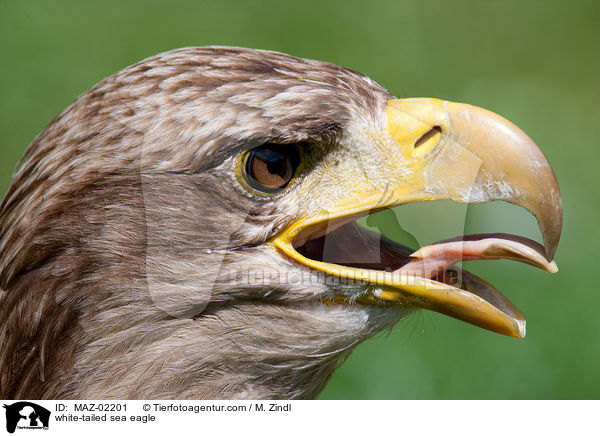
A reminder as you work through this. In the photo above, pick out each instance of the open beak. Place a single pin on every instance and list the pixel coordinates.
(440, 150)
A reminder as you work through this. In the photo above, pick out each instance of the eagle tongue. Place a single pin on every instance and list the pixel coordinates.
(436, 258)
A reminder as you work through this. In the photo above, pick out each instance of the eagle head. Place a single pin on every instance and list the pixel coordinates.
(187, 228)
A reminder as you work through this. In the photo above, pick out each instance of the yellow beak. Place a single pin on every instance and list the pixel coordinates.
(443, 150)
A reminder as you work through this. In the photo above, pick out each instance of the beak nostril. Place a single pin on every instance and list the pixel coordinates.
(435, 130)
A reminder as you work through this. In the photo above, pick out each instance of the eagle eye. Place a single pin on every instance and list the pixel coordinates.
(271, 167)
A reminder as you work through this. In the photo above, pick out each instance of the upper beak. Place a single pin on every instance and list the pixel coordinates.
(445, 150)
(484, 157)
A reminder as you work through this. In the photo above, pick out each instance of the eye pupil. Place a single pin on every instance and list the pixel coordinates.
(271, 167)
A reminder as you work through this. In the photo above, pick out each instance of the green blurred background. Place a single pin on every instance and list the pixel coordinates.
(536, 63)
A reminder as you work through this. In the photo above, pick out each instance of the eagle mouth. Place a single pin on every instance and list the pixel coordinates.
(354, 246)
(426, 277)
